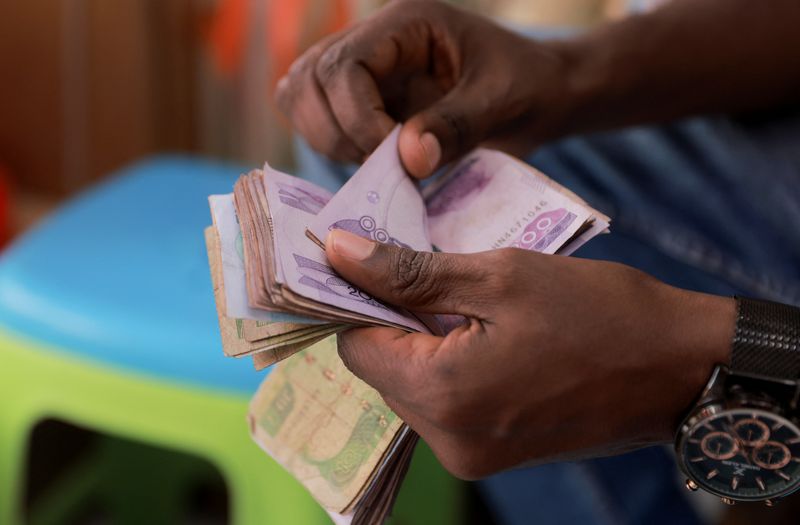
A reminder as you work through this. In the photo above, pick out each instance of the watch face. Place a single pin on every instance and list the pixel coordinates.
(745, 454)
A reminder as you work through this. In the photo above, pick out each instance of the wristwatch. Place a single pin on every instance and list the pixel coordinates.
(741, 440)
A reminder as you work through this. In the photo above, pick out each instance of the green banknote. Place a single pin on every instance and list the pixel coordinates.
(327, 427)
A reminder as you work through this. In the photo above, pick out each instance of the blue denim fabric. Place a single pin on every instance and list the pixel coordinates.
(718, 197)
(705, 204)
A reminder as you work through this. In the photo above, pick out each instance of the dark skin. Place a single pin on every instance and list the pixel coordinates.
(467, 81)
(561, 358)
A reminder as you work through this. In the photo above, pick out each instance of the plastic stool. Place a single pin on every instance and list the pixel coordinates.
(107, 322)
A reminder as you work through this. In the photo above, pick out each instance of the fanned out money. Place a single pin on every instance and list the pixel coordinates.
(277, 295)
(324, 425)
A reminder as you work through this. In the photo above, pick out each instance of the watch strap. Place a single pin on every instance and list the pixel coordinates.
(767, 339)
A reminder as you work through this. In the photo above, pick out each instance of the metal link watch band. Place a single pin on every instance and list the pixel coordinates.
(767, 339)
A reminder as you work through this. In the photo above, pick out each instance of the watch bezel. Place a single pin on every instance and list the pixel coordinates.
(716, 411)
(715, 401)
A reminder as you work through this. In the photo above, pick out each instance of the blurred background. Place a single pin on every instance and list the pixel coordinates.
(92, 86)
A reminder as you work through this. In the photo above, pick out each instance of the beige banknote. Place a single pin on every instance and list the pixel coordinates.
(325, 426)
(270, 342)
(263, 359)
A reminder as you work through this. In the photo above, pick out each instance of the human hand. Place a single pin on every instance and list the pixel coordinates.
(454, 78)
(560, 358)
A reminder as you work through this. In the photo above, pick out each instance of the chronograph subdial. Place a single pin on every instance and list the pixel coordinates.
(772, 455)
(751, 432)
(719, 445)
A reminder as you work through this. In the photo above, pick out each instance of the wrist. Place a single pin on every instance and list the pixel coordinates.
(702, 333)
(618, 75)
(547, 90)
(594, 92)
(566, 87)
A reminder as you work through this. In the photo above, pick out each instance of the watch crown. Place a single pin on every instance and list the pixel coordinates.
(728, 501)
(691, 485)
(770, 502)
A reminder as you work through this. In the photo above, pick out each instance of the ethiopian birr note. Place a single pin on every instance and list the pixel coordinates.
(380, 202)
(231, 329)
(490, 200)
(282, 340)
(324, 425)
(263, 359)
(223, 214)
(305, 267)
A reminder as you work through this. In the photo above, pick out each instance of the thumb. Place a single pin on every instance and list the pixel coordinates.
(425, 282)
(445, 130)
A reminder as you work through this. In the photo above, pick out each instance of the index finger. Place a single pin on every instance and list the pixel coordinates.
(353, 94)
(350, 70)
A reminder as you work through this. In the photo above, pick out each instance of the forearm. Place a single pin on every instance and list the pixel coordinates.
(689, 57)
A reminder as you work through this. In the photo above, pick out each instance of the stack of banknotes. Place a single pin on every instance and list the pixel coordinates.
(277, 296)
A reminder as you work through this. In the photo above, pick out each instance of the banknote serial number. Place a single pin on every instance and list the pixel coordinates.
(518, 225)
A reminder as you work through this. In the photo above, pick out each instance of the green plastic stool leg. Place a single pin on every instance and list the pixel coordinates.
(14, 433)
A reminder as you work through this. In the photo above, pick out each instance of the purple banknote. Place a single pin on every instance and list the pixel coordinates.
(305, 267)
(544, 229)
(463, 185)
(380, 202)
(490, 200)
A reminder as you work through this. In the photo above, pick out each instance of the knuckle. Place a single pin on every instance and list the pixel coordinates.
(297, 67)
(302, 62)
(514, 263)
(330, 63)
(414, 275)
(458, 128)
(297, 76)
(283, 95)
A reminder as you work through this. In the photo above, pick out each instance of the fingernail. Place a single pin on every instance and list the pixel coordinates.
(433, 152)
(349, 245)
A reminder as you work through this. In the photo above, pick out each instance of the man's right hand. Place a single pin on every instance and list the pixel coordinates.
(454, 78)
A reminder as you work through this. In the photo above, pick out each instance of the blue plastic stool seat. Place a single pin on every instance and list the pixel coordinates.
(120, 276)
